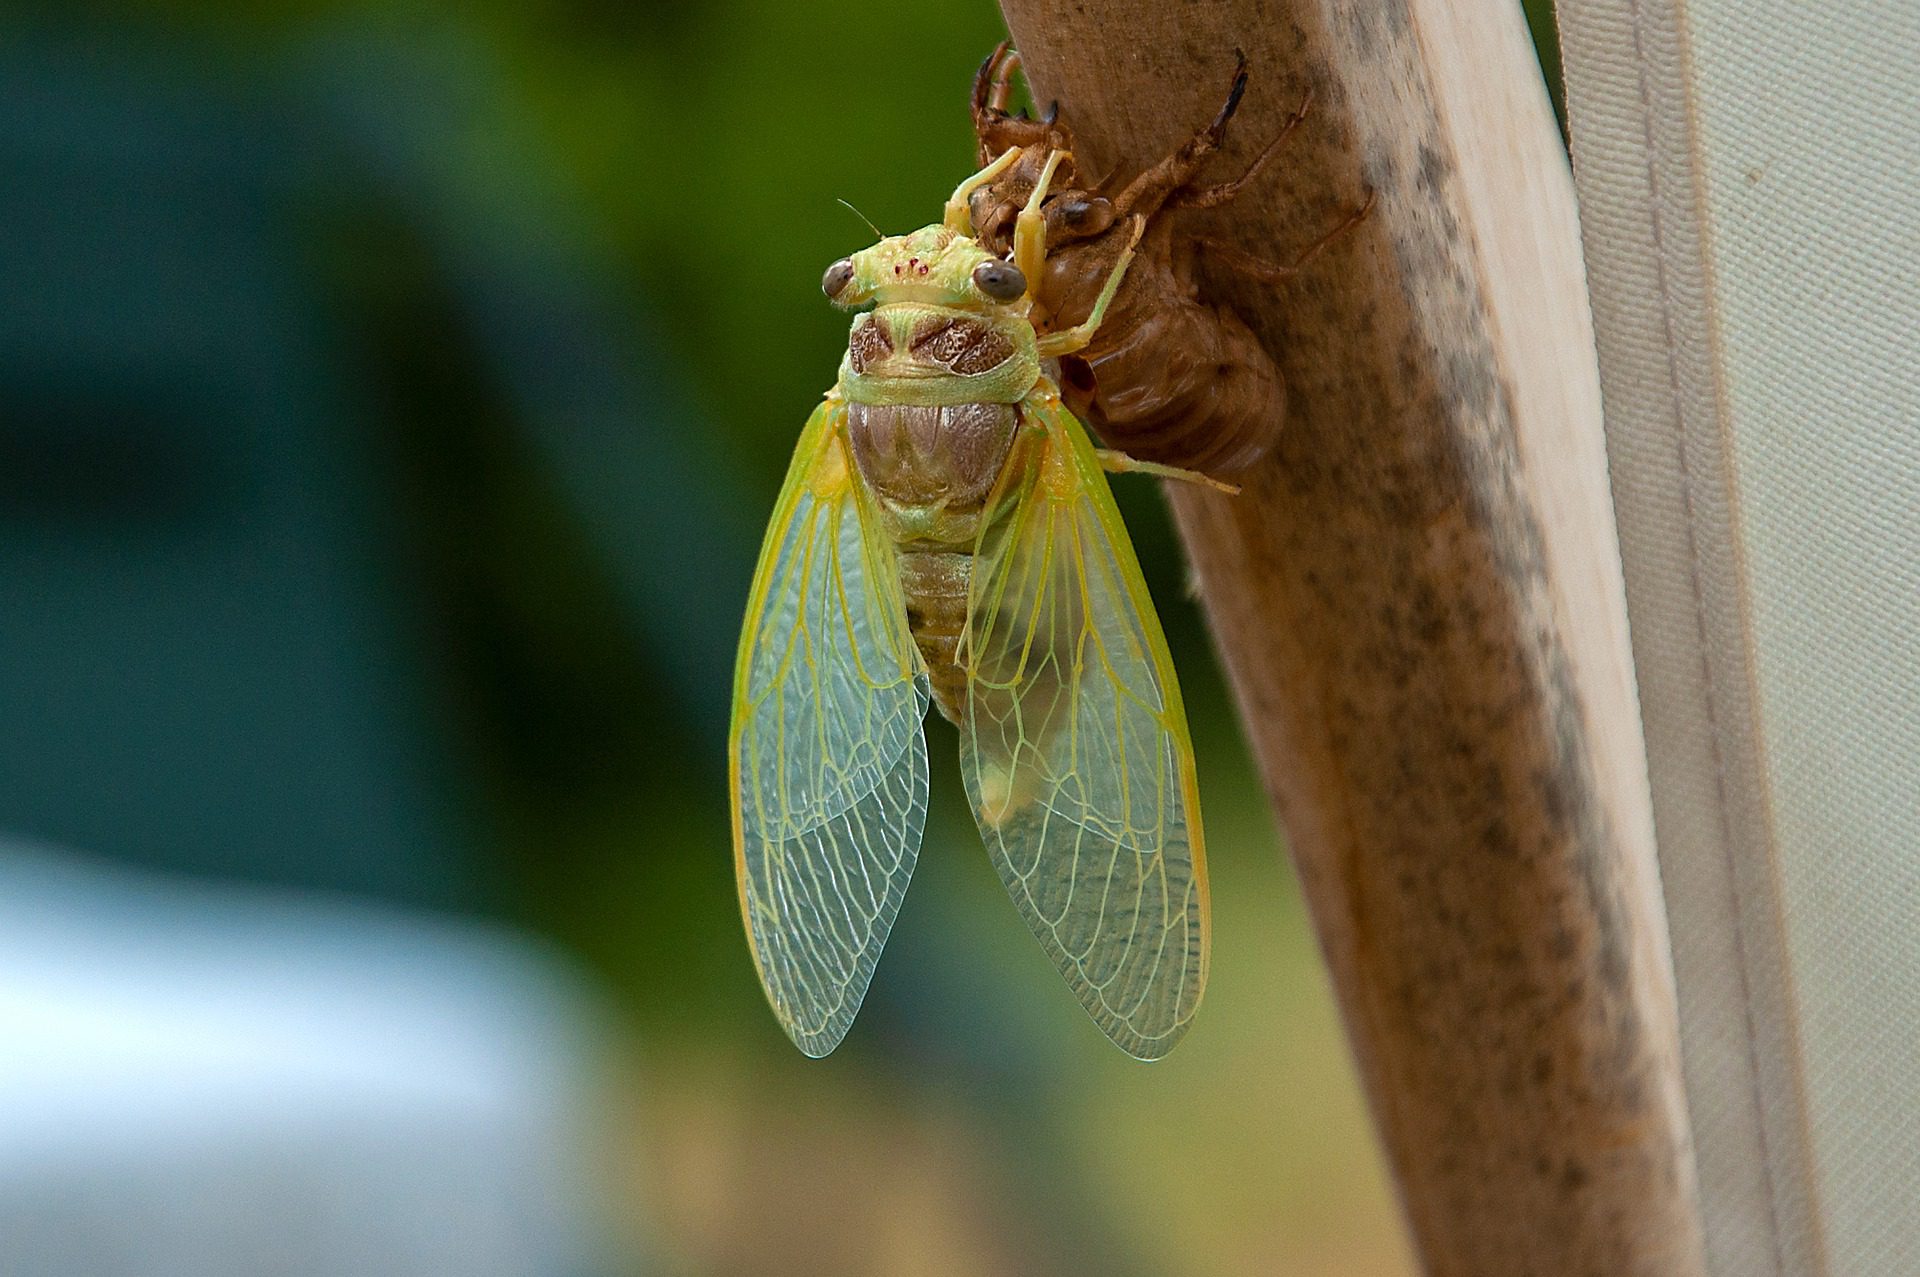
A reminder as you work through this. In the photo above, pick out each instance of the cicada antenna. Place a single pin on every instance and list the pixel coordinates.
(877, 232)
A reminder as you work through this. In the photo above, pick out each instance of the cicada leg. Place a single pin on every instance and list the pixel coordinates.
(1272, 272)
(1189, 196)
(1120, 463)
(1004, 62)
(994, 127)
(958, 218)
(1068, 340)
(1167, 182)
(1030, 228)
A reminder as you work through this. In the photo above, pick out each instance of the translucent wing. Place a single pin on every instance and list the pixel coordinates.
(828, 760)
(1076, 753)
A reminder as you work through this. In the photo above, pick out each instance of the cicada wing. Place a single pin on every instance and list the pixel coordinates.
(1076, 752)
(827, 754)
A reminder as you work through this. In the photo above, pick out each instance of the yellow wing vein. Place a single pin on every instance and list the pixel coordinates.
(828, 761)
(1076, 753)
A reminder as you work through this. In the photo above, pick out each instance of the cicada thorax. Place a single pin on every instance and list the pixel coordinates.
(932, 419)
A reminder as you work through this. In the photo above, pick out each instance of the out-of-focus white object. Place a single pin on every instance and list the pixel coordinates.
(198, 1082)
(1749, 176)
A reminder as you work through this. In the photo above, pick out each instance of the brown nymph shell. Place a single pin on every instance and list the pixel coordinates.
(1169, 377)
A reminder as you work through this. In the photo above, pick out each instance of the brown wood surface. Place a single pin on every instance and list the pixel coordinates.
(1418, 600)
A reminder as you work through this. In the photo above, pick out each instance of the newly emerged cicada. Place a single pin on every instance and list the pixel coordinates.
(946, 532)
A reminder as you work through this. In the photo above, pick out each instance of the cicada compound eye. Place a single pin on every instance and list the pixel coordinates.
(1000, 280)
(1084, 217)
(838, 276)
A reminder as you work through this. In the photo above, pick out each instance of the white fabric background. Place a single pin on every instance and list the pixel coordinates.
(1749, 174)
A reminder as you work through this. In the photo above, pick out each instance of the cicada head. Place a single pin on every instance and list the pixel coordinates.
(934, 266)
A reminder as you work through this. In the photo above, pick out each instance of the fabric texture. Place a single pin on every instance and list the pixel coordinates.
(1749, 176)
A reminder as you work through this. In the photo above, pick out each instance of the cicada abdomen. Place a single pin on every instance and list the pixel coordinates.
(1171, 377)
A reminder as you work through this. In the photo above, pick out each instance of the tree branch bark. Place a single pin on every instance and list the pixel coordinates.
(1418, 600)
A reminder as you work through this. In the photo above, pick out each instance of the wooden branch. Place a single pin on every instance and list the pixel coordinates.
(1418, 599)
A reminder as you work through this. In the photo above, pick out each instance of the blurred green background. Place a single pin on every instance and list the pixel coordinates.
(390, 396)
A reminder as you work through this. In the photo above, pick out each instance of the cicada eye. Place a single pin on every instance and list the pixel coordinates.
(838, 276)
(999, 280)
(1086, 216)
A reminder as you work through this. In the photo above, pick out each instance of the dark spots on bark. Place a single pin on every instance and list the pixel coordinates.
(1396, 17)
(1363, 27)
(1381, 169)
(1374, 25)
(1497, 838)
(1469, 380)
(1427, 614)
(1574, 1176)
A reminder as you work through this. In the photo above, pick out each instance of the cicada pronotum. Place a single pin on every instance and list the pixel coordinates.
(946, 532)
(1171, 377)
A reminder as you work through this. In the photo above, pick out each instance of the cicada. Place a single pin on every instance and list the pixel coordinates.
(1172, 377)
(946, 534)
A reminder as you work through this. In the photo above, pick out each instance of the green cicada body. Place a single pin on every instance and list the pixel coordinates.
(946, 533)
